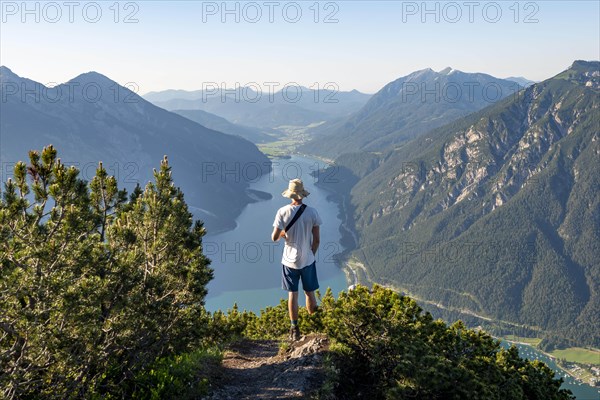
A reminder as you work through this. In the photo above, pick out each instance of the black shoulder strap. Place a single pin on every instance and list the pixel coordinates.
(296, 216)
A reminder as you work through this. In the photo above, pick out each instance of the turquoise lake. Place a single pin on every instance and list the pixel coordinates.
(247, 264)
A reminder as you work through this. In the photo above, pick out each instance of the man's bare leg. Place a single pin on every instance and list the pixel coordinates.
(293, 310)
(293, 305)
(311, 302)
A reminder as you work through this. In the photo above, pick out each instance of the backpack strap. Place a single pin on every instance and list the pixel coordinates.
(296, 216)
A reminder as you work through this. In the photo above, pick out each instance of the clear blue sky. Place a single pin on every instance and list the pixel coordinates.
(181, 45)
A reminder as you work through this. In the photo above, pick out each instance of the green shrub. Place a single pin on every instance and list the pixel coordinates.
(180, 377)
(274, 322)
(226, 327)
(386, 347)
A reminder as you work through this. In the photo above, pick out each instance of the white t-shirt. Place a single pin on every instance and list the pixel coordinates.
(297, 252)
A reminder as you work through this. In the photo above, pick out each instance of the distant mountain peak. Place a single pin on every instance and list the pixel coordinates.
(6, 72)
(446, 71)
(583, 72)
(417, 74)
(5, 69)
(585, 68)
(93, 77)
(594, 65)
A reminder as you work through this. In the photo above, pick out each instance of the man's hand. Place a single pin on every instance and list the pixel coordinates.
(316, 239)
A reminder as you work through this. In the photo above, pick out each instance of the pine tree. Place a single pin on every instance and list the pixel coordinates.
(94, 288)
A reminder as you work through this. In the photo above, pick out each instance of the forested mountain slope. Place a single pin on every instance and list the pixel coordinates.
(497, 213)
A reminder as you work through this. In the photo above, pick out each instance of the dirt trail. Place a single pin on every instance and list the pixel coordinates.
(258, 370)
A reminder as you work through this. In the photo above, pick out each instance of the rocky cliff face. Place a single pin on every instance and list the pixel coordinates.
(497, 156)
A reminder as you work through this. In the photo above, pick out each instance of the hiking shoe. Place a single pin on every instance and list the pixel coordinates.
(294, 333)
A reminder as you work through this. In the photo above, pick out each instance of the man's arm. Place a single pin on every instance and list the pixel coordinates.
(277, 234)
(316, 239)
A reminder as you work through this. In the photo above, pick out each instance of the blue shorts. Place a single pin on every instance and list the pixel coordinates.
(291, 276)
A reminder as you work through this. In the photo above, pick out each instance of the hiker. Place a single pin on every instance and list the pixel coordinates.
(298, 224)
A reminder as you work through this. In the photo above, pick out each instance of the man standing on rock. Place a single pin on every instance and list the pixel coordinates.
(298, 224)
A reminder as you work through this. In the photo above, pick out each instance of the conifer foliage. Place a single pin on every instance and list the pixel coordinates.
(94, 286)
(387, 347)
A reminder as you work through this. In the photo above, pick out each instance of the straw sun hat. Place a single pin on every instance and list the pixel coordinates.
(295, 190)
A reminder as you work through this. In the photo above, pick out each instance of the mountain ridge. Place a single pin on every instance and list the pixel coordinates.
(265, 109)
(408, 106)
(514, 183)
(91, 118)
